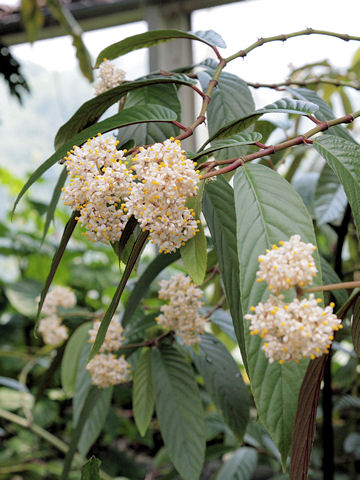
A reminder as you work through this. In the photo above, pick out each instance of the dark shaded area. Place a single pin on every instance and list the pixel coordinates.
(10, 69)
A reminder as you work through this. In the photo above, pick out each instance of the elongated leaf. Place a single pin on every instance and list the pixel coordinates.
(330, 276)
(54, 201)
(154, 37)
(268, 210)
(240, 466)
(330, 198)
(355, 330)
(304, 427)
(91, 469)
(223, 381)
(143, 395)
(130, 116)
(235, 141)
(285, 105)
(343, 157)
(219, 211)
(69, 228)
(179, 410)
(142, 285)
(91, 111)
(70, 362)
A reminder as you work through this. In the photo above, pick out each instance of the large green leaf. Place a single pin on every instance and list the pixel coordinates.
(143, 283)
(129, 116)
(179, 410)
(343, 156)
(268, 210)
(149, 133)
(154, 37)
(91, 111)
(70, 362)
(223, 381)
(143, 394)
(219, 211)
(22, 296)
(240, 466)
(330, 200)
(284, 105)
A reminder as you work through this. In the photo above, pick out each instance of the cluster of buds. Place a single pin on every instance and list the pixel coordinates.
(50, 327)
(182, 314)
(106, 369)
(106, 192)
(109, 77)
(301, 328)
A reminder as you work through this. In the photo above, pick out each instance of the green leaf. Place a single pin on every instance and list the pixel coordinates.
(240, 466)
(143, 395)
(219, 211)
(235, 141)
(69, 228)
(179, 410)
(154, 37)
(223, 381)
(330, 276)
(54, 201)
(149, 133)
(330, 199)
(223, 320)
(343, 157)
(143, 283)
(91, 469)
(22, 296)
(129, 116)
(268, 210)
(284, 105)
(32, 18)
(91, 111)
(355, 329)
(304, 427)
(70, 362)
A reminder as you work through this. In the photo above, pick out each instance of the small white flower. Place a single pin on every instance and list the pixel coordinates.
(58, 297)
(109, 77)
(107, 370)
(113, 337)
(182, 313)
(52, 331)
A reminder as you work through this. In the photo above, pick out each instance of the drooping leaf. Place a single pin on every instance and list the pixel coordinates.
(91, 111)
(179, 410)
(235, 141)
(240, 466)
(355, 329)
(130, 116)
(304, 426)
(154, 37)
(223, 381)
(91, 469)
(284, 105)
(330, 198)
(142, 285)
(343, 156)
(69, 228)
(70, 362)
(219, 211)
(54, 201)
(268, 210)
(143, 394)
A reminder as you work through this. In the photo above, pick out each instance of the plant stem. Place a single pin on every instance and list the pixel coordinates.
(332, 286)
(305, 83)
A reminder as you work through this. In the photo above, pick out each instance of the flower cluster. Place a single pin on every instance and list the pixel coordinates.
(158, 201)
(105, 368)
(50, 327)
(294, 330)
(99, 182)
(288, 265)
(301, 328)
(182, 313)
(109, 77)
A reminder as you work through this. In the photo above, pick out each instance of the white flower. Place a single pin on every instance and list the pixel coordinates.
(52, 331)
(58, 297)
(288, 265)
(107, 370)
(113, 337)
(295, 330)
(158, 201)
(100, 182)
(182, 313)
(109, 77)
